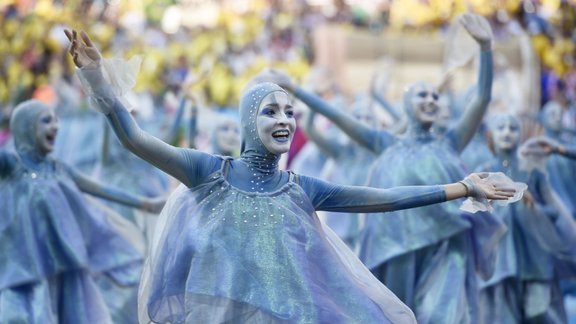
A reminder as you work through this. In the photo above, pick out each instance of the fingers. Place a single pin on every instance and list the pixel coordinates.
(86, 39)
(68, 34)
(507, 190)
(501, 197)
(503, 194)
(482, 175)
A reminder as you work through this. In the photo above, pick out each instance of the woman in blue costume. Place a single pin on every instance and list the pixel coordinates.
(561, 171)
(541, 236)
(57, 249)
(559, 159)
(350, 164)
(239, 241)
(427, 256)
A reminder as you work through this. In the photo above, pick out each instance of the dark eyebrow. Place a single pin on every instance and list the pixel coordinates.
(273, 104)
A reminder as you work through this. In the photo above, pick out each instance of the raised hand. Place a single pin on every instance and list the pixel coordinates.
(83, 51)
(479, 28)
(548, 145)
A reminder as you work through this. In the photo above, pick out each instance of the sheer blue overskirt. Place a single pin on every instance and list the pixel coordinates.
(222, 254)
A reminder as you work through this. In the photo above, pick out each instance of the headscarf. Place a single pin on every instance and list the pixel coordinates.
(252, 150)
(23, 124)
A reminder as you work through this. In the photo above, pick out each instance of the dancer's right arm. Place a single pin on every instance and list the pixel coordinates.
(187, 165)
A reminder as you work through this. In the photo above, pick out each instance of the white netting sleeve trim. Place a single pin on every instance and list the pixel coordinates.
(114, 79)
(473, 205)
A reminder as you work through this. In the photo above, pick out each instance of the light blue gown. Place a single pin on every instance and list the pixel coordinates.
(240, 241)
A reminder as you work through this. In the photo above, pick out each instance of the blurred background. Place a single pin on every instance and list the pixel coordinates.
(212, 48)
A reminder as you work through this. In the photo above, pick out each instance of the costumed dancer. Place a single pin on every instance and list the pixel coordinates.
(60, 254)
(239, 241)
(538, 248)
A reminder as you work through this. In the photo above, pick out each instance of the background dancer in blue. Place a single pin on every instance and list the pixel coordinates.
(541, 235)
(428, 256)
(60, 254)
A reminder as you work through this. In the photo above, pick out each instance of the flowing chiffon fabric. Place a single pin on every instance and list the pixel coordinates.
(221, 254)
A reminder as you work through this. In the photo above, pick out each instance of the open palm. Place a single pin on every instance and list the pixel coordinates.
(478, 27)
(83, 51)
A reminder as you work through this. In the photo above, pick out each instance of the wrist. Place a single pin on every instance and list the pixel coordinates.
(486, 46)
(467, 189)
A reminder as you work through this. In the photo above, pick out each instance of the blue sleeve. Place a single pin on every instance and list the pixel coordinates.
(384, 103)
(570, 151)
(474, 111)
(328, 147)
(189, 166)
(372, 139)
(339, 198)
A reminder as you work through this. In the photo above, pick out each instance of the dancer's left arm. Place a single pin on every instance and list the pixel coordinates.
(89, 186)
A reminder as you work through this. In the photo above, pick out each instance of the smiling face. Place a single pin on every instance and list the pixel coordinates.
(46, 131)
(506, 133)
(423, 102)
(553, 116)
(275, 122)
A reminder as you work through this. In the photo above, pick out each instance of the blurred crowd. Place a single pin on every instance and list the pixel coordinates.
(210, 49)
(233, 40)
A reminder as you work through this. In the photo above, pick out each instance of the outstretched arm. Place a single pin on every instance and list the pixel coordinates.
(567, 151)
(366, 136)
(330, 148)
(94, 188)
(187, 165)
(474, 111)
(331, 197)
(550, 146)
(384, 103)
